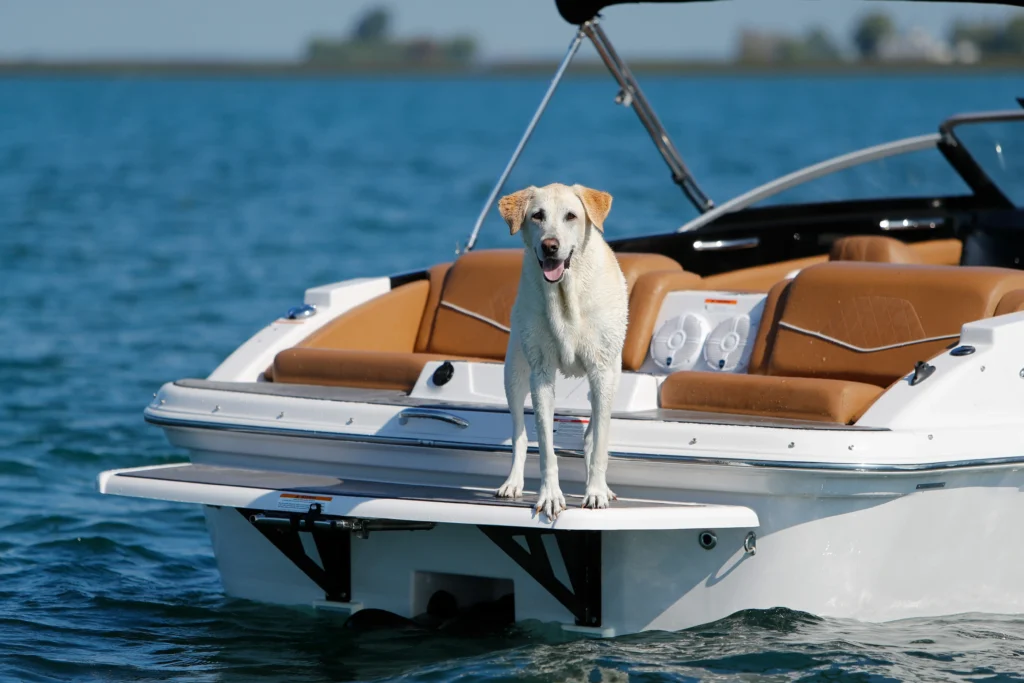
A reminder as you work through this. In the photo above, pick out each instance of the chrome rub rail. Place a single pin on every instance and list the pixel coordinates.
(186, 423)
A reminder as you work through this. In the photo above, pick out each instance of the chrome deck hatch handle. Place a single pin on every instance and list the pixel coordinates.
(430, 414)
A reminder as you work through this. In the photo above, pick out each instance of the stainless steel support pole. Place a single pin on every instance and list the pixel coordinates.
(634, 97)
(573, 47)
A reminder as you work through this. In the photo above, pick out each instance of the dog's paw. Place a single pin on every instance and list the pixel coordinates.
(550, 501)
(597, 497)
(512, 488)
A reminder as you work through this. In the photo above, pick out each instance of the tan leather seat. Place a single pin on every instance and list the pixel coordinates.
(834, 306)
(798, 398)
(758, 278)
(847, 330)
(873, 248)
(939, 252)
(879, 249)
(352, 368)
(1012, 302)
(645, 301)
(461, 311)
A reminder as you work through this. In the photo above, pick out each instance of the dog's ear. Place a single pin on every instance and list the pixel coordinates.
(513, 208)
(597, 204)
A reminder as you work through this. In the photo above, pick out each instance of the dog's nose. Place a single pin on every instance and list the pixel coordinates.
(550, 246)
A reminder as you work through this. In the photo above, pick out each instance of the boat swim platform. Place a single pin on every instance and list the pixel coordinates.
(280, 505)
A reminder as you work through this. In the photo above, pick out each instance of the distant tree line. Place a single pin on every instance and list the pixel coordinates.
(370, 44)
(992, 38)
(816, 45)
(875, 37)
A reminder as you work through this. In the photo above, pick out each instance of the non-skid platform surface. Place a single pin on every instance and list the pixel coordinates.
(318, 484)
(283, 491)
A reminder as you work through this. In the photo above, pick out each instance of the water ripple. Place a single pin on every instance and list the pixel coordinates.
(147, 227)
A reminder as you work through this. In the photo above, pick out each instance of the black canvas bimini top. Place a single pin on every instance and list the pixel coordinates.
(579, 11)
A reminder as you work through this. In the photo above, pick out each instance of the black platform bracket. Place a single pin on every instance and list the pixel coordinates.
(581, 553)
(333, 539)
(333, 543)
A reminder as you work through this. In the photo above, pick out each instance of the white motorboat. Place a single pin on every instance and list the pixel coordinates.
(820, 409)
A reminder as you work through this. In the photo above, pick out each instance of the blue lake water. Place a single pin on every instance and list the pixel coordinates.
(147, 227)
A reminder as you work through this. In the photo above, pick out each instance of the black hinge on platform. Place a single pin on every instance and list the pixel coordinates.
(581, 553)
(333, 543)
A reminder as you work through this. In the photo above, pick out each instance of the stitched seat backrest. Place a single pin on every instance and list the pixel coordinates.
(481, 283)
(1012, 302)
(484, 284)
(870, 322)
(635, 266)
(872, 248)
(389, 322)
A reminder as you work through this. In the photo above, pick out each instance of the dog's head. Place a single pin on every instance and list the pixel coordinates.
(555, 221)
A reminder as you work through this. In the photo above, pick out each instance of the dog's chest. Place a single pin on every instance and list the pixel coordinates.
(577, 326)
(574, 336)
(573, 351)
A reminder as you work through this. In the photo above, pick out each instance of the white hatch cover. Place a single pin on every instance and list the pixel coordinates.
(284, 492)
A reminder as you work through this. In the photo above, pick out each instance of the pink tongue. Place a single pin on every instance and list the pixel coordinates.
(553, 269)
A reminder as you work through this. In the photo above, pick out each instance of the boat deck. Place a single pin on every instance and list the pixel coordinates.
(274, 491)
(398, 398)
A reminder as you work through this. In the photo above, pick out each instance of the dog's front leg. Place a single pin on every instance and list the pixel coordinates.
(603, 385)
(517, 384)
(550, 500)
(588, 447)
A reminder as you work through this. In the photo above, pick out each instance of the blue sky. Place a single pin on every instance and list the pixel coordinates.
(275, 29)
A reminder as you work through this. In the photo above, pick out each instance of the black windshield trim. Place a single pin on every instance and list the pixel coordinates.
(960, 158)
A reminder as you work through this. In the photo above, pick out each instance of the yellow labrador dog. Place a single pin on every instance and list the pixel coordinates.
(570, 316)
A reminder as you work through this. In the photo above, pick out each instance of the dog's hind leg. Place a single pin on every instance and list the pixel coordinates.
(517, 384)
(550, 500)
(603, 385)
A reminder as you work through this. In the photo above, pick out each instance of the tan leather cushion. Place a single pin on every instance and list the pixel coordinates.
(762, 278)
(872, 305)
(385, 342)
(799, 398)
(635, 265)
(758, 278)
(644, 304)
(436, 276)
(346, 368)
(486, 283)
(874, 248)
(774, 304)
(389, 322)
(1011, 302)
(938, 252)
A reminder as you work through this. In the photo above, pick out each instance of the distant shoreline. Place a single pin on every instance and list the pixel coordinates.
(226, 69)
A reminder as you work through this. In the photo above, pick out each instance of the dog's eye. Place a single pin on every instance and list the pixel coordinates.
(570, 216)
(538, 216)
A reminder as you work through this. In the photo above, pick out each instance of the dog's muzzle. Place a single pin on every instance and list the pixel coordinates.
(554, 269)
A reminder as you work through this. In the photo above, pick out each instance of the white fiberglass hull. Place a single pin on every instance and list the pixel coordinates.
(927, 554)
(861, 545)
(912, 512)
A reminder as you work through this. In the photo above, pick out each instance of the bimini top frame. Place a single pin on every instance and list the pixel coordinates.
(579, 11)
(629, 95)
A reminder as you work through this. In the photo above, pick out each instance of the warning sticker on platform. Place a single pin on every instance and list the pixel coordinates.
(301, 502)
